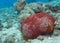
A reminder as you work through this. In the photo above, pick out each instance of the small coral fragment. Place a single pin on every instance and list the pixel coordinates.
(23, 17)
(58, 23)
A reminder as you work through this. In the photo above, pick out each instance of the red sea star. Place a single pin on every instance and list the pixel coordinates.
(37, 24)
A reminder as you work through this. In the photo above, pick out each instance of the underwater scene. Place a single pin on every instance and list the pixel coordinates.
(29, 21)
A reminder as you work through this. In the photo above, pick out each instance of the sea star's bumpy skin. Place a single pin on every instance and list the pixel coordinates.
(37, 24)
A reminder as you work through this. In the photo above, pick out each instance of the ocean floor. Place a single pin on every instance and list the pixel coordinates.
(10, 29)
(9, 25)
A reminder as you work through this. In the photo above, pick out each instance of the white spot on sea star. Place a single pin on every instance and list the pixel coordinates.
(26, 30)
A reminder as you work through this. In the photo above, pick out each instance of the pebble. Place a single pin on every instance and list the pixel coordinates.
(35, 41)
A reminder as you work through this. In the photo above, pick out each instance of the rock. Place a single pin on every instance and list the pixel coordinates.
(42, 37)
(56, 32)
(5, 24)
(35, 41)
(58, 23)
(23, 17)
(52, 40)
(19, 5)
(27, 10)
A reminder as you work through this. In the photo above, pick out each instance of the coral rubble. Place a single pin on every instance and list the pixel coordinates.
(11, 19)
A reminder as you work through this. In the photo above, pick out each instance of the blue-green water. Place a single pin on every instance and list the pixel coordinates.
(8, 3)
(44, 1)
